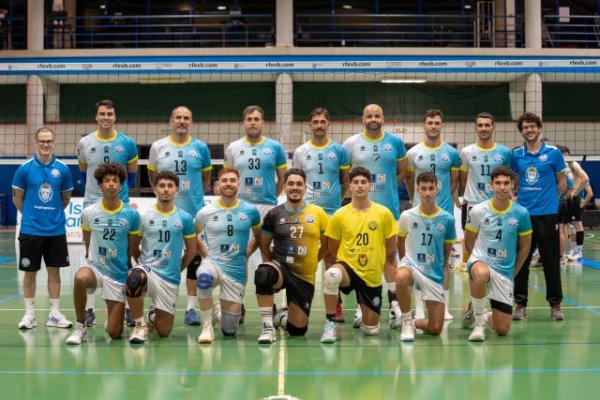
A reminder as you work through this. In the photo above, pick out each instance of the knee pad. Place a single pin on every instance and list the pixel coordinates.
(205, 280)
(370, 330)
(331, 281)
(264, 279)
(193, 267)
(293, 330)
(229, 323)
(136, 282)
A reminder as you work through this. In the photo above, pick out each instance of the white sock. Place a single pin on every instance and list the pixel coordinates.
(419, 309)
(192, 301)
(478, 309)
(446, 299)
(90, 302)
(29, 306)
(395, 307)
(206, 316)
(54, 305)
(266, 315)
(407, 316)
(358, 311)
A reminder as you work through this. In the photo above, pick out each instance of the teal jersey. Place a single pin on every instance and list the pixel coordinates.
(188, 160)
(498, 235)
(425, 239)
(93, 151)
(226, 234)
(322, 166)
(381, 157)
(163, 240)
(479, 163)
(109, 238)
(441, 161)
(257, 164)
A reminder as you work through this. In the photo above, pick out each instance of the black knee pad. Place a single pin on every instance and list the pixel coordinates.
(193, 267)
(293, 330)
(136, 282)
(264, 279)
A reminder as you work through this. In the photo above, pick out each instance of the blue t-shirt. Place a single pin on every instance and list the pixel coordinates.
(43, 184)
(538, 187)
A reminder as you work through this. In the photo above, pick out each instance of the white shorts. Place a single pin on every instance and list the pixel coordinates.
(432, 291)
(230, 290)
(500, 288)
(111, 289)
(163, 294)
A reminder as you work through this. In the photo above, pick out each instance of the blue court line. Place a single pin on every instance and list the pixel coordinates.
(587, 262)
(569, 300)
(311, 373)
(6, 259)
(9, 298)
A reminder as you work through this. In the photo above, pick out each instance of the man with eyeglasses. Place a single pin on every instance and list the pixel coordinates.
(41, 190)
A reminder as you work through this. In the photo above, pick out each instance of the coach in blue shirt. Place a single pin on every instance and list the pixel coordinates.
(540, 168)
(41, 190)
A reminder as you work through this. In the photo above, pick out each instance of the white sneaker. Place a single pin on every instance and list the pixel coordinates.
(27, 322)
(478, 333)
(268, 335)
(207, 335)
(329, 332)
(447, 315)
(575, 255)
(57, 320)
(79, 335)
(139, 334)
(408, 330)
(357, 322)
(280, 319)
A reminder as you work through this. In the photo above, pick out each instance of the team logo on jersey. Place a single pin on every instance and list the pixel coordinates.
(123, 223)
(193, 154)
(486, 159)
(432, 157)
(376, 301)
(235, 248)
(310, 219)
(167, 254)
(320, 157)
(363, 260)
(543, 157)
(25, 262)
(180, 154)
(373, 225)
(109, 222)
(243, 217)
(440, 228)
(325, 185)
(45, 192)
(445, 157)
(531, 175)
(258, 181)
(119, 149)
(266, 152)
(177, 224)
(502, 253)
(55, 173)
(229, 217)
(430, 258)
(512, 222)
(112, 252)
(302, 250)
(163, 223)
(185, 184)
(331, 156)
(387, 147)
(380, 178)
(499, 222)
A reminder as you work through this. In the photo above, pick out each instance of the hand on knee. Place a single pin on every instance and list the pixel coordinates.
(331, 281)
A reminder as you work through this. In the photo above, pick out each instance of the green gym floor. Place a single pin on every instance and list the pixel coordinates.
(538, 359)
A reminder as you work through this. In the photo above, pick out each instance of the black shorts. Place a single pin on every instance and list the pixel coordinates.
(564, 213)
(193, 267)
(465, 210)
(502, 307)
(298, 290)
(369, 296)
(32, 248)
(575, 210)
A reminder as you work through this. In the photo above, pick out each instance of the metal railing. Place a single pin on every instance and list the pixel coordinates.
(13, 33)
(144, 31)
(414, 30)
(582, 31)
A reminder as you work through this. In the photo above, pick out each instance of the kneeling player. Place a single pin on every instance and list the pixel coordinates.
(494, 230)
(425, 238)
(226, 224)
(295, 228)
(164, 230)
(109, 230)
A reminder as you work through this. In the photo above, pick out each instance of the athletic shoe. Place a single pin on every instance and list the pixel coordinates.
(478, 333)
(280, 318)
(243, 316)
(395, 323)
(139, 334)
(129, 320)
(89, 317)
(462, 267)
(207, 335)
(576, 255)
(27, 322)
(408, 330)
(447, 315)
(57, 320)
(357, 322)
(556, 314)
(339, 313)
(268, 335)
(79, 335)
(191, 317)
(468, 318)
(563, 260)
(329, 332)
(520, 313)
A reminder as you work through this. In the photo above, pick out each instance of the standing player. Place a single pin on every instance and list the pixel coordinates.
(165, 230)
(189, 158)
(109, 228)
(295, 229)
(425, 238)
(105, 145)
(384, 154)
(362, 236)
(437, 156)
(41, 190)
(540, 168)
(478, 160)
(326, 164)
(495, 230)
(226, 224)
